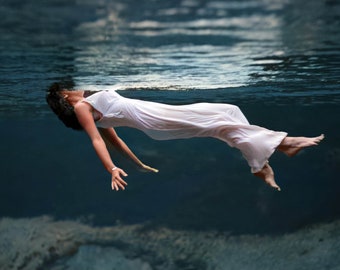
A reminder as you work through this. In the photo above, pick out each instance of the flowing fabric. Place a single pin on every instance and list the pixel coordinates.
(164, 122)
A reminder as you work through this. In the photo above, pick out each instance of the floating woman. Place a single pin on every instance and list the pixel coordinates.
(98, 113)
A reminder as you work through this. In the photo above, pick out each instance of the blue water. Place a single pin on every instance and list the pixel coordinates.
(278, 60)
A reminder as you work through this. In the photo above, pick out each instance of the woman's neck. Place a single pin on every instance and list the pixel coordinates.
(72, 97)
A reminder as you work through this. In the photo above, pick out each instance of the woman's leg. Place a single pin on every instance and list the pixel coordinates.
(267, 175)
(292, 145)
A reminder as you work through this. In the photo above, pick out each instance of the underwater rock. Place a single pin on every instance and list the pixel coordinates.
(92, 257)
(42, 243)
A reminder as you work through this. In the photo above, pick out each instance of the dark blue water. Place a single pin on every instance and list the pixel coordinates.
(278, 60)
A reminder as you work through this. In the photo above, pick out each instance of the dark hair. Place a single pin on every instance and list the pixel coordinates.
(61, 107)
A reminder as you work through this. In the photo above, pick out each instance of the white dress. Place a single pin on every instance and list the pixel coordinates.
(164, 122)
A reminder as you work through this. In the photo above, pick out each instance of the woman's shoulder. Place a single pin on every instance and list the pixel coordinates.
(103, 97)
(100, 93)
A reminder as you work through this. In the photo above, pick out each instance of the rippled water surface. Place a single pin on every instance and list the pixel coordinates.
(254, 48)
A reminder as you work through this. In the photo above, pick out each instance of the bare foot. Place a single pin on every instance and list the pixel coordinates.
(292, 145)
(267, 175)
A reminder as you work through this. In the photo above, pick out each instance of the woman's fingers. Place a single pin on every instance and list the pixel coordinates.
(121, 183)
(123, 173)
(116, 185)
(150, 169)
(117, 182)
(153, 170)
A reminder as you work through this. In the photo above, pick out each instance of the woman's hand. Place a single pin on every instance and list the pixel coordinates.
(116, 181)
(146, 168)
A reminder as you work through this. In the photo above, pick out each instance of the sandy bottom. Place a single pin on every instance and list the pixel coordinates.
(42, 243)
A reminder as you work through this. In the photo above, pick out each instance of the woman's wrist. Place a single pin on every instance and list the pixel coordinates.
(111, 169)
(141, 164)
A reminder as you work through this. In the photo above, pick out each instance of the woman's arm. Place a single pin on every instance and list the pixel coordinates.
(111, 137)
(85, 118)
